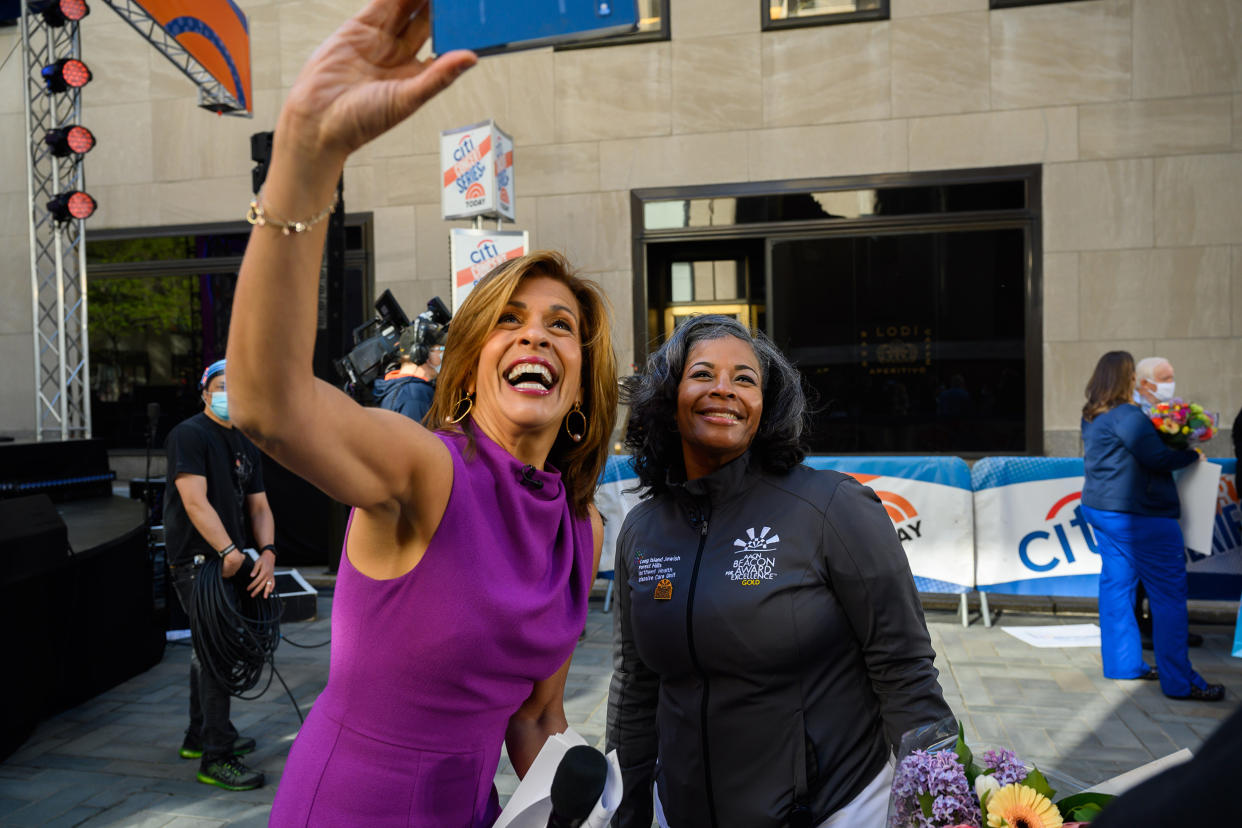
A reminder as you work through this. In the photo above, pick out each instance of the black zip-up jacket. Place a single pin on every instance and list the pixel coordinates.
(770, 649)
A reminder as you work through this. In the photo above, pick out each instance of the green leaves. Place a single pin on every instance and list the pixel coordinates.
(966, 757)
(1036, 780)
(1083, 807)
(925, 802)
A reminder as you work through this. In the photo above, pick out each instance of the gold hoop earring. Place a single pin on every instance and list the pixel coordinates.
(577, 409)
(469, 400)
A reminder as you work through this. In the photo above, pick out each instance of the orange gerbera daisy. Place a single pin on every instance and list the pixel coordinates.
(1017, 806)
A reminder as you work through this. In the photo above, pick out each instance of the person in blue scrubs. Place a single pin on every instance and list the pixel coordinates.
(1131, 502)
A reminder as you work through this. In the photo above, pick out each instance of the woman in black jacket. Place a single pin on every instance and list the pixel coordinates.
(770, 645)
(1130, 500)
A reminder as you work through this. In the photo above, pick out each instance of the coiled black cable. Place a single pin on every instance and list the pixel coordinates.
(234, 633)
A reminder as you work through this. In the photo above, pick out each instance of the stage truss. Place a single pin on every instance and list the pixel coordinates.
(212, 95)
(57, 250)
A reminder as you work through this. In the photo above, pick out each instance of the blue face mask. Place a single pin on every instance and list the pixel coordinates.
(220, 404)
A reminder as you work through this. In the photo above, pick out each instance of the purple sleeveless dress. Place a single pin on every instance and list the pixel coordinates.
(427, 668)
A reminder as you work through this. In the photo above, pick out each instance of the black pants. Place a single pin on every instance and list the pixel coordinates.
(209, 700)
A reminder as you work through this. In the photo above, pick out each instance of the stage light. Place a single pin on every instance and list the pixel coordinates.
(66, 73)
(69, 140)
(74, 204)
(60, 12)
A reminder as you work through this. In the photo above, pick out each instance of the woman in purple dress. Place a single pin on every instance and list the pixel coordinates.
(471, 549)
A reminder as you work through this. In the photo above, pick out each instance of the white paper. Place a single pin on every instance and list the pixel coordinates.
(531, 803)
(1197, 486)
(1058, 635)
(1124, 782)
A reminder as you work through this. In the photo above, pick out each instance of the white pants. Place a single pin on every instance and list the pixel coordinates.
(867, 810)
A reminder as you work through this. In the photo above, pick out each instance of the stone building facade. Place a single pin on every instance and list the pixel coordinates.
(1127, 112)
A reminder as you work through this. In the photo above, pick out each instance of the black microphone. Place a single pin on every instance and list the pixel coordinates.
(577, 786)
(528, 477)
(153, 415)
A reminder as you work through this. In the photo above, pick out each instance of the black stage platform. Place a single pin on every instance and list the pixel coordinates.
(76, 584)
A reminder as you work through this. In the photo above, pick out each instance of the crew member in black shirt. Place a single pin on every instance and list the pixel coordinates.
(216, 485)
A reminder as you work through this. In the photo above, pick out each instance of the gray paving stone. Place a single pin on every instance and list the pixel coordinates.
(194, 822)
(132, 811)
(74, 816)
(1053, 706)
(39, 812)
(256, 817)
(9, 804)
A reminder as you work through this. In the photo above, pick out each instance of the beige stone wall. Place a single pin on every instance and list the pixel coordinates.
(1133, 107)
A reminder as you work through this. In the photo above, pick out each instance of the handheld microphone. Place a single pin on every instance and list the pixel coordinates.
(577, 785)
(153, 415)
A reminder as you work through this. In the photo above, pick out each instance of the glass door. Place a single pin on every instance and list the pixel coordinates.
(908, 341)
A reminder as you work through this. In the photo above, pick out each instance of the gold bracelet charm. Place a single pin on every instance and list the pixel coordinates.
(256, 215)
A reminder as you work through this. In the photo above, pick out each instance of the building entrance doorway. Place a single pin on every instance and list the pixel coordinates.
(910, 304)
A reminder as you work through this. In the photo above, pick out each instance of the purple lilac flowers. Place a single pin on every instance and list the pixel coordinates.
(1006, 767)
(940, 775)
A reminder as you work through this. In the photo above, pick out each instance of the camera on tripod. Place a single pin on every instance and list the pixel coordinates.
(378, 342)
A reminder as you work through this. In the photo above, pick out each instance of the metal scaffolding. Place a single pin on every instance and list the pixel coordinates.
(57, 250)
(212, 95)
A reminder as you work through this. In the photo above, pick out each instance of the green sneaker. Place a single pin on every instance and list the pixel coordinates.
(231, 775)
(192, 749)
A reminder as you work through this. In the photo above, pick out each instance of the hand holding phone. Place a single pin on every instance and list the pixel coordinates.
(365, 79)
(488, 27)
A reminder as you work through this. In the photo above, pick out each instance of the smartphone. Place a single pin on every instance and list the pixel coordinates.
(489, 27)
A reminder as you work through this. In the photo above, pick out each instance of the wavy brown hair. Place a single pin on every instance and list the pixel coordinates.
(1110, 384)
(580, 464)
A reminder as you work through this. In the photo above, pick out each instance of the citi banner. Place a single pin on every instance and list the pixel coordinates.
(473, 254)
(929, 501)
(1031, 537)
(476, 164)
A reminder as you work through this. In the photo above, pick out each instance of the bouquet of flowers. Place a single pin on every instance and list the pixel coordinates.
(1182, 424)
(941, 786)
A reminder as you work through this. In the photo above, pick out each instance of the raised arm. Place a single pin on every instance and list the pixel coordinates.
(360, 82)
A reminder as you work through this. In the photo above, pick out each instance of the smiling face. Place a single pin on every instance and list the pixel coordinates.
(719, 403)
(529, 372)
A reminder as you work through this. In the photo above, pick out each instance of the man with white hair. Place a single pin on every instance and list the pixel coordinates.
(1154, 385)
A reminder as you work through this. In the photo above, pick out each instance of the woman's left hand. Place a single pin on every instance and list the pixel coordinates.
(365, 79)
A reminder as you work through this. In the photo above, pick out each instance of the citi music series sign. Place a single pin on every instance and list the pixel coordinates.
(474, 253)
(476, 164)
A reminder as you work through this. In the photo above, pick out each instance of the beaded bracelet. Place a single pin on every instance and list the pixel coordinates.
(256, 215)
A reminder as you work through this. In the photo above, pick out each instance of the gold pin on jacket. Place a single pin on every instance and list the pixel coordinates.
(663, 590)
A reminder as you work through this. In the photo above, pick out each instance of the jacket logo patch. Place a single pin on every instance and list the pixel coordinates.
(654, 568)
(754, 567)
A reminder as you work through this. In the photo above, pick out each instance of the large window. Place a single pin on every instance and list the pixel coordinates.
(781, 14)
(910, 303)
(909, 342)
(652, 25)
(1008, 4)
(159, 301)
